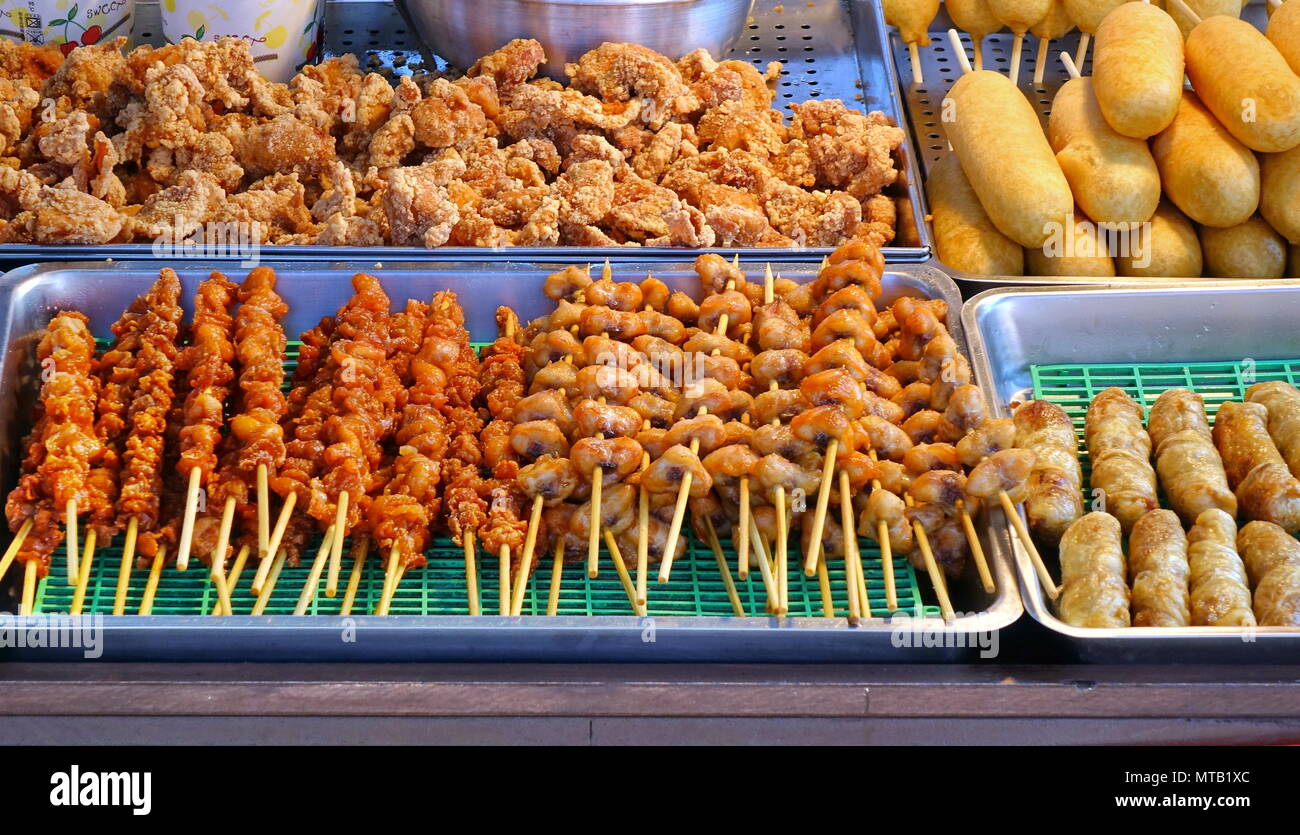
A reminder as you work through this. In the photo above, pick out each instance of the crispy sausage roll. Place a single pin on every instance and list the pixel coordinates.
(1283, 404)
(1120, 452)
(1265, 489)
(1055, 493)
(1157, 552)
(1219, 593)
(1189, 466)
(1093, 591)
(1272, 559)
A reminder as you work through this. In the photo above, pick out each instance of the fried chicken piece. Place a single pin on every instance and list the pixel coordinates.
(285, 145)
(849, 151)
(620, 72)
(418, 208)
(737, 126)
(211, 153)
(177, 210)
(394, 140)
(324, 94)
(655, 216)
(371, 108)
(715, 82)
(448, 117)
(57, 215)
(671, 143)
(32, 65)
(538, 111)
(17, 104)
(86, 76)
(512, 64)
(586, 192)
(278, 203)
(168, 114)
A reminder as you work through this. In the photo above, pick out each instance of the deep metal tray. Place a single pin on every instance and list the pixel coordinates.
(924, 102)
(830, 49)
(1011, 329)
(29, 295)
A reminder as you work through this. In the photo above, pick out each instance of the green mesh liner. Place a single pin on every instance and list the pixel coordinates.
(1072, 387)
(696, 586)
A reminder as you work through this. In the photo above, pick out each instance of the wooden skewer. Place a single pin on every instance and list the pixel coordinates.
(392, 578)
(29, 588)
(954, 39)
(83, 575)
(1044, 576)
(823, 504)
(71, 524)
(264, 567)
(977, 549)
(742, 547)
(362, 550)
(852, 558)
(124, 570)
(721, 559)
(679, 513)
(593, 538)
(15, 546)
(263, 513)
(557, 574)
(824, 586)
(336, 552)
(471, 572)
(187, 526)
(1017, 49)
(1040, 65)
(277, 565)
(308, 592)
(1082, 54)
(503, 564)
(526, 561)
(151, 584)
(782, 554)
(643, 535)
(932, 566)
(620, 567)
(232, 579)
(218, 557)
(764, 566)
(918, 77)
(886, 552)
(1071, 68)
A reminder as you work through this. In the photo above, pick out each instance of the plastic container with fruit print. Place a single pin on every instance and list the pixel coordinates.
(68, 23)
(283, 34)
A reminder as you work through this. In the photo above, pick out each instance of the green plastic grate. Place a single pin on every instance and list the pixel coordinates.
(1072, 387)
(696, 587)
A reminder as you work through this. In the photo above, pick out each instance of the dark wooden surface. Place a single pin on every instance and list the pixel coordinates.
(591, 704)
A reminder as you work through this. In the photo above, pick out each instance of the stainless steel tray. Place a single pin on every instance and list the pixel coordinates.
(1011, 329)
(29, 295)
(830, 48)
(924, 102)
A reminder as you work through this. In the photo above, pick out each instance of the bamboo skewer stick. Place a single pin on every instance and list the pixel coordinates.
(83, 575)
(721, 559)
(914, 55)
(932, 567)
(318, 565)
(742, 547)
(886, 552)
(362, 550)
(824, 586)
(277, 565)
(336, 552)
(526, 561)
(263, 513)
(29, 588)
(232, 579)
(782, 554)
(593, 536)
(15, 546)
(1040, 567)
(273, 547)
(390, 576)
(643, 535)
(71, 524)
(977, 549)
(823, 504)
(218, 556)
(620, 567)
(852, 559)
(124, 570)
(503, 566)
(764, 566)
(187, 526)
(557, 574)
(471, 572)
(151, 585)
(1082, 54)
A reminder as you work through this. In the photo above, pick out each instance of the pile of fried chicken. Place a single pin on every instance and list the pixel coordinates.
(111, 147)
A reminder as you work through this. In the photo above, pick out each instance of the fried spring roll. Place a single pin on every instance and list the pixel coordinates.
(1272, 558)
(1282, 401)
(1093, 592)
(1189, 466)
(1266, 491)
(1157, 550)
(1219, 593)
(1120, 452)
(1054, 497)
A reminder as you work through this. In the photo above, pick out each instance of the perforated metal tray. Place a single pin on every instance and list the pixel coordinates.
(1015, 329)
(29, 296)
(830, 49)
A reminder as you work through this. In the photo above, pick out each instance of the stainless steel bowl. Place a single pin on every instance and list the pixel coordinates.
(461, 31)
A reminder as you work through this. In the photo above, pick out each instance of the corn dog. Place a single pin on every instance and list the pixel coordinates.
(1137, 70)
(912, 18)
(997, 137)
(976, 19)
(1219, 592)
(1076, 249)
(1093, 591)
(1279, 196)
(1170, 248)
(1157, 550)
(1019, 15)
(1207, 173)
(1272, 560)
(1114, 177)
(1284, 33)
(1247, 250)
(1056, 24)
(964, 237)
(1203, 9)
(1088, 14)
(1245, 83)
